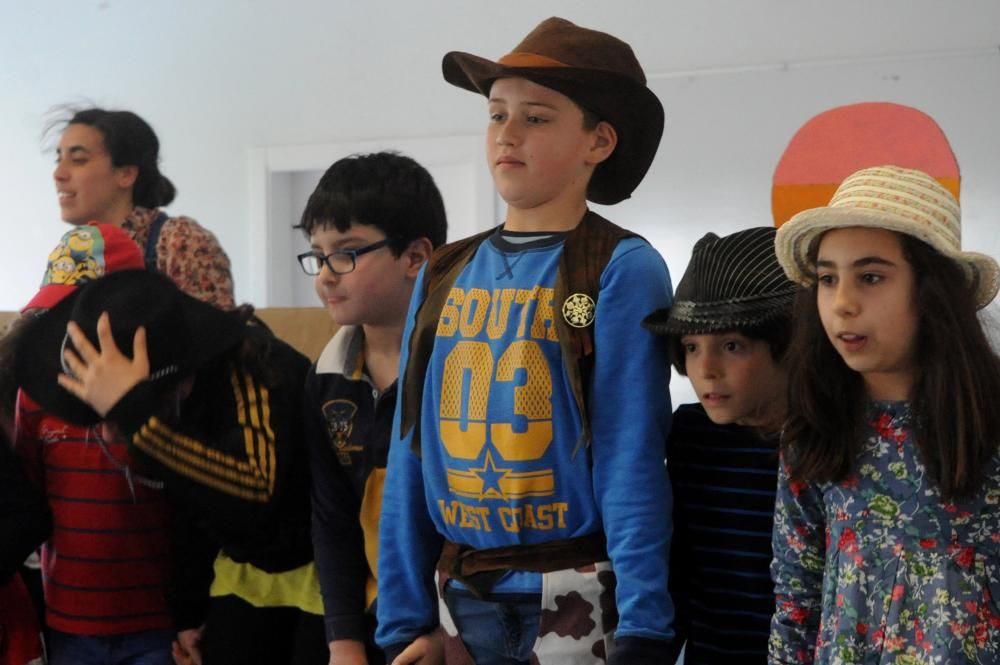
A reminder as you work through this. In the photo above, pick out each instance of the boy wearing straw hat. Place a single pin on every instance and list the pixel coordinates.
(729, 328)
(526, 463)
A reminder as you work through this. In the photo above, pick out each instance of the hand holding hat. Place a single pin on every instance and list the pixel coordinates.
(101, 376)
(179, 335)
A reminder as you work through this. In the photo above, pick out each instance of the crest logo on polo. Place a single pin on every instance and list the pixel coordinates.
(339, 414)
(78, 258)
(495, 409)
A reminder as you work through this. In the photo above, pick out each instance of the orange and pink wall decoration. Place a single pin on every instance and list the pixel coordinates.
(838, 142)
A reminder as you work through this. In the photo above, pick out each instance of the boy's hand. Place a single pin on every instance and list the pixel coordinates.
(347, 652)
(187, 647)
(425, 650)
(102, 376)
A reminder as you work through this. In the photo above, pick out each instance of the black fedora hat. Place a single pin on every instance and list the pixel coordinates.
(731, 282)
(182, 335)
(597, 71)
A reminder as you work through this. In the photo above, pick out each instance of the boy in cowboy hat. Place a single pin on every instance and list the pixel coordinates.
(728, 330)
(526, 463)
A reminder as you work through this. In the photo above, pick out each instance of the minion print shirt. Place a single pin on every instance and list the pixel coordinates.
(77, 259)
(879, 569)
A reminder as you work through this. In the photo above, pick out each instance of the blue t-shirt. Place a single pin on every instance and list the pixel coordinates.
(502, 459)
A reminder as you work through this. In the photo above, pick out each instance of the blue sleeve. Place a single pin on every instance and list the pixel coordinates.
(409, 544)
(630, 419)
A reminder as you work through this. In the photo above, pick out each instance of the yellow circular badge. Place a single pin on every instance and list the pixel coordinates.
(578, 310)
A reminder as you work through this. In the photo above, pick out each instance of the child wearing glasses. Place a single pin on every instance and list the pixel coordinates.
(372, 222)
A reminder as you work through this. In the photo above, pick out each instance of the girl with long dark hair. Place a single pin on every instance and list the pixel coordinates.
(887, 527)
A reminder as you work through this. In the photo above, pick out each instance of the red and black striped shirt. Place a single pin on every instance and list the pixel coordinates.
(106, 563)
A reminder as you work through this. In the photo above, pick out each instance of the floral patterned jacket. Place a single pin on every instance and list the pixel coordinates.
(878, 569)
(187, 253)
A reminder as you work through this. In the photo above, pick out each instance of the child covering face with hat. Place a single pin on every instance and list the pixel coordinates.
(211, 405)
(118, 526)
(728, 328)
(526, 463)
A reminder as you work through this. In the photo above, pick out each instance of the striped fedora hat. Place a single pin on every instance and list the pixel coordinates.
(896, 199)
(731, 282)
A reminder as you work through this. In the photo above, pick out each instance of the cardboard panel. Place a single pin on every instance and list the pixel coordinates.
(308, 329)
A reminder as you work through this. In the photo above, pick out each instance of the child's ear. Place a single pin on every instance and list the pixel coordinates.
(604, 139)
(416, 255)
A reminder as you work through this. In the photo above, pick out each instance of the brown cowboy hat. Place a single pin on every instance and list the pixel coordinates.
(597, 71)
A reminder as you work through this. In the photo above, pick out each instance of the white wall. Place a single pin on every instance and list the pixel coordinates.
(218, 78)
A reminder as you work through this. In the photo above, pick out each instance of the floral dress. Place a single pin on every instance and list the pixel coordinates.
(878, 569)
(187, 253)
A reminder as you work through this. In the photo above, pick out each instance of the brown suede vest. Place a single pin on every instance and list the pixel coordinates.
(586, 251)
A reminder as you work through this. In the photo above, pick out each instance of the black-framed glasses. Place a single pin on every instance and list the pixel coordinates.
(340, 262)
